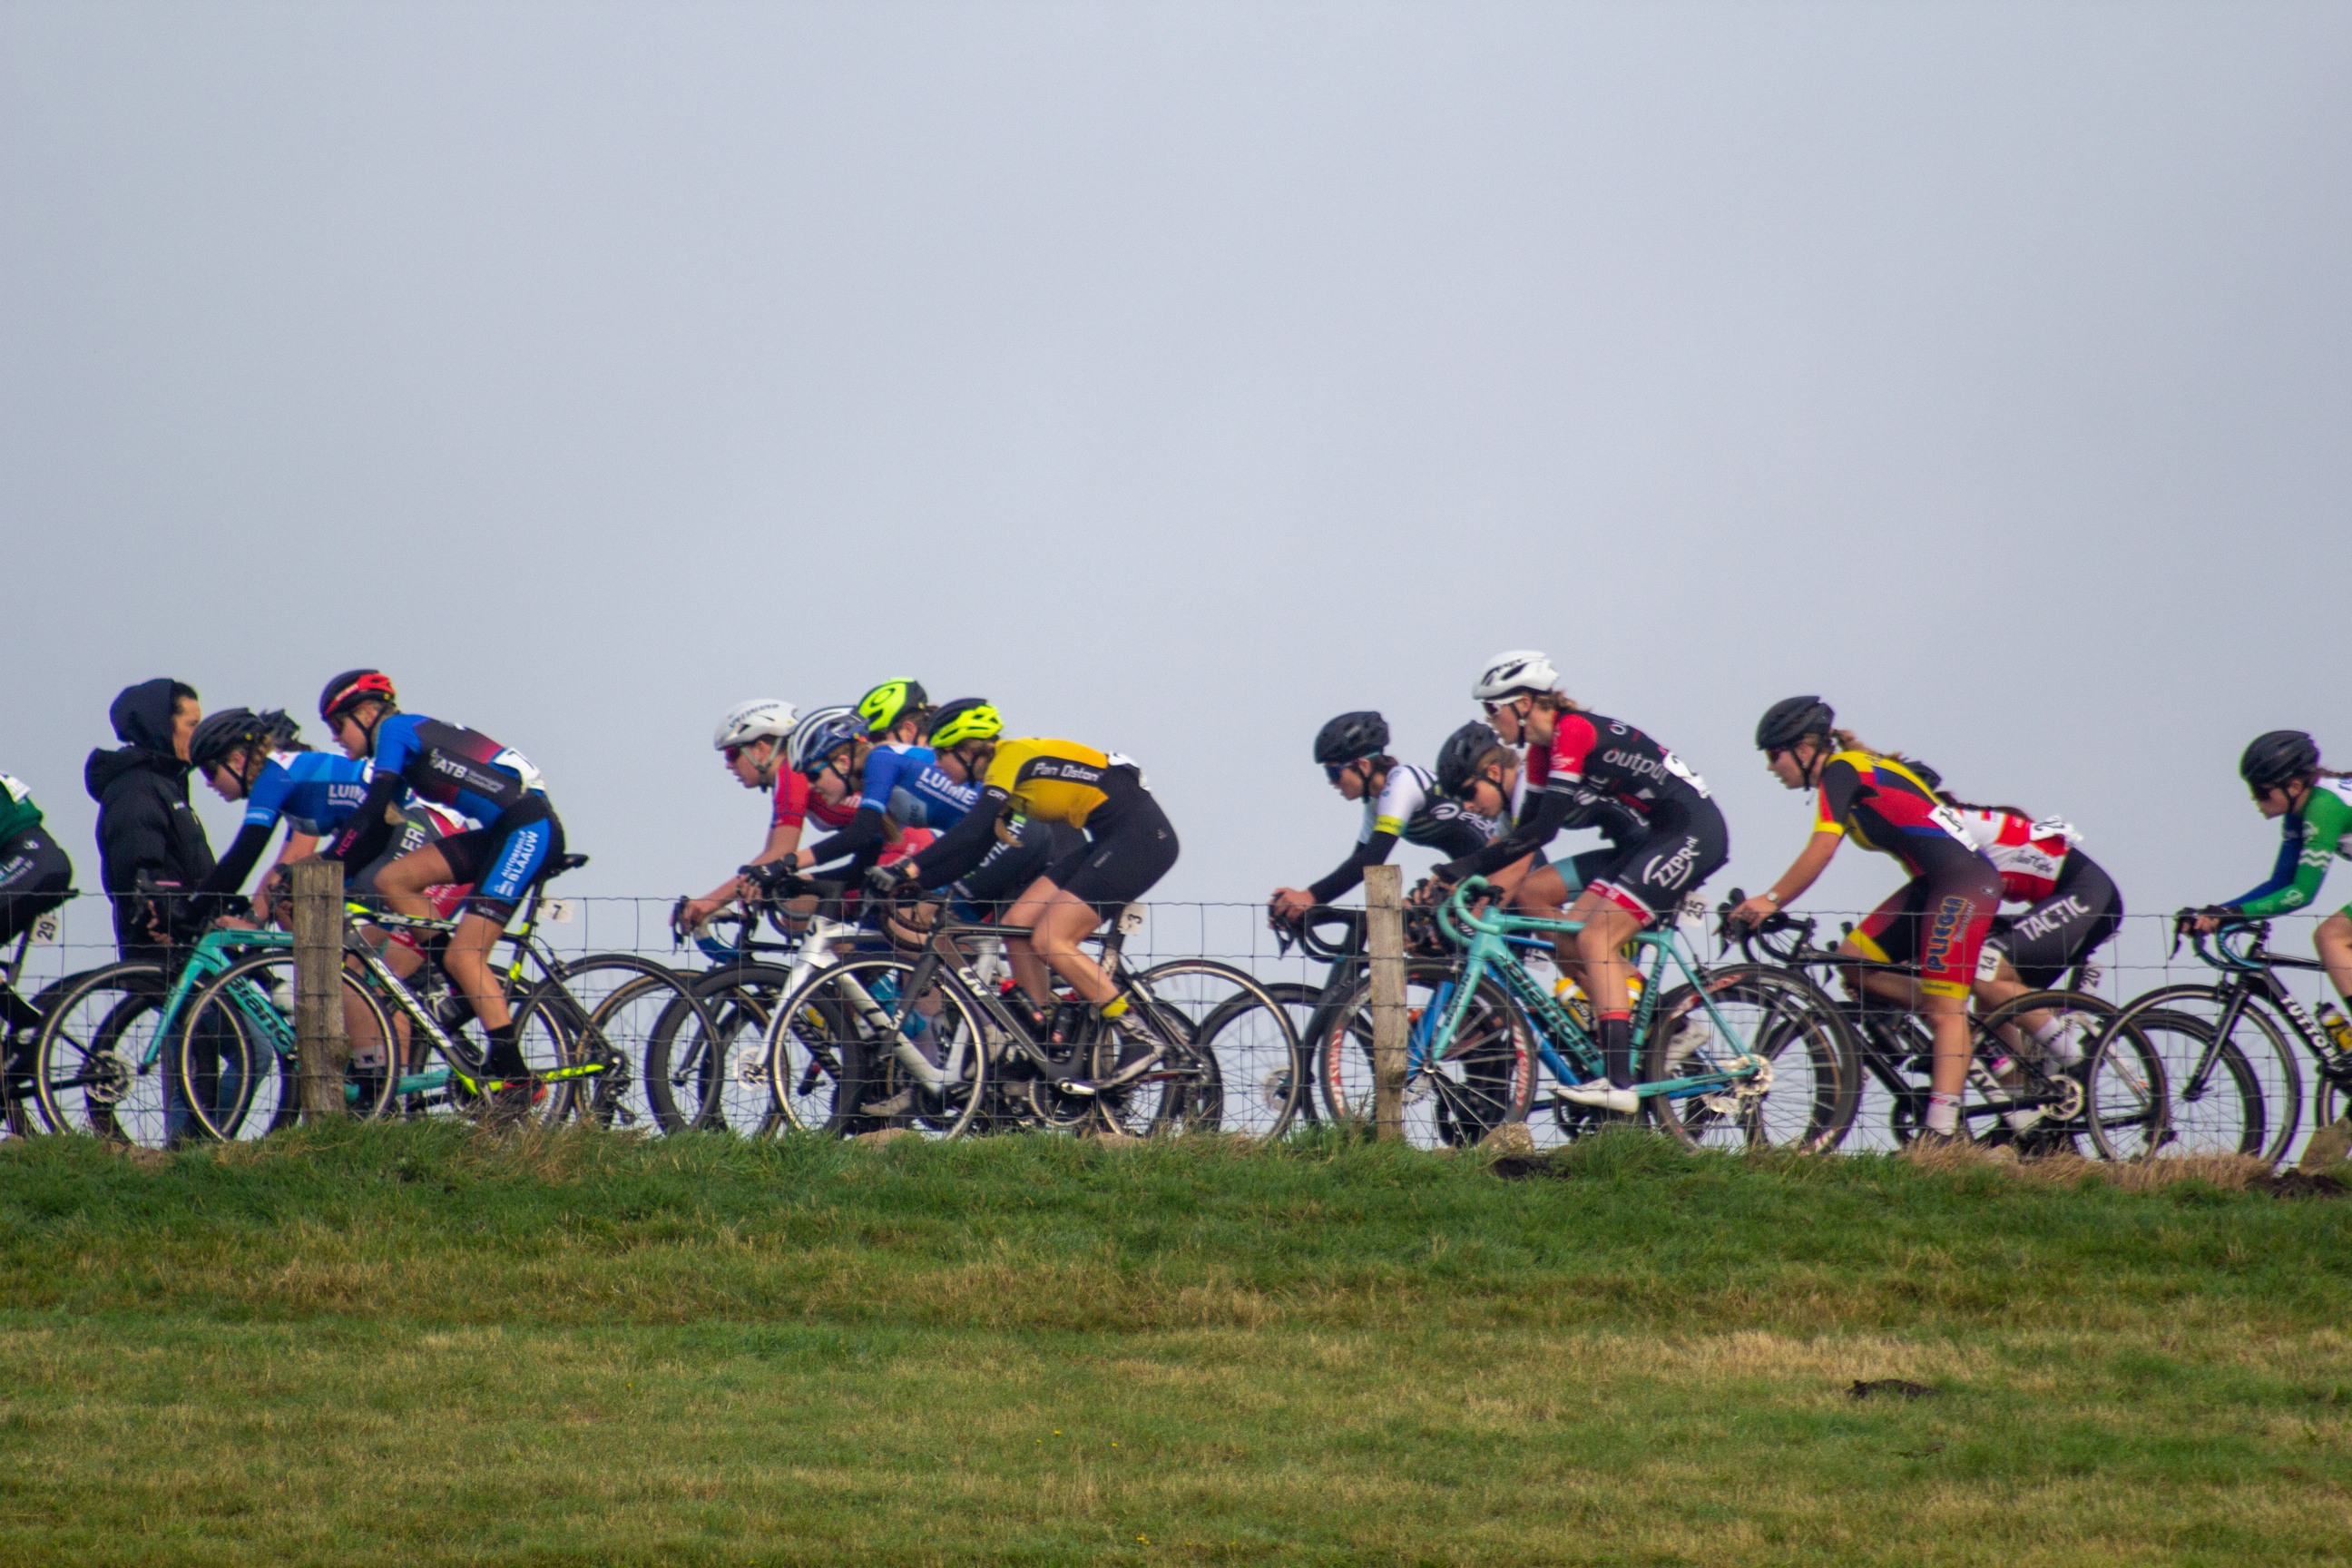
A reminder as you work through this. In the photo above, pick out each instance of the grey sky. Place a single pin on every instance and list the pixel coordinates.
(1179, 376)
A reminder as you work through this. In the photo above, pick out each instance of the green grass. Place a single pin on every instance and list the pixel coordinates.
(410, 1344)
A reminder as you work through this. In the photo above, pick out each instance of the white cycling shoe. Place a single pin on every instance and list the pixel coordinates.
(1602, 1095)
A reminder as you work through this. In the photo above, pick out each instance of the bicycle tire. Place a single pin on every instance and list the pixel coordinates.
(1805, 1101)
(1485, 1080)
(20, 1101)
(2053, 1134)
(263, 1089)
(83, 1077)
(842, 1022)
(714, 1074)
(1248, 1031)
(2139, 1071)
(2241, 1093)
(1301, 1002)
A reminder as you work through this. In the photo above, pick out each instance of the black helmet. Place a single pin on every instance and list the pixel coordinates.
(1457, 760)
(353, 688)
(2280, 757)
(1790, 720)
(1351, 737)
(223, 733)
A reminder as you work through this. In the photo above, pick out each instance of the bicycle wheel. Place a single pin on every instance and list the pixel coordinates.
(2060, 1125)
(709, 1069)
(1485, 1079)
(1795, 1070)
(98, 1066)
(1300, 1002)
(2160, 1085)
(1252, 1084)
(236, 1051)
(849, 1036)
(613, 1002)
(2237, 1091)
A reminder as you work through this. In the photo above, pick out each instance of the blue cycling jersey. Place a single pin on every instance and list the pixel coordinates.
(454, 766)
(313, 791)
(904, 783)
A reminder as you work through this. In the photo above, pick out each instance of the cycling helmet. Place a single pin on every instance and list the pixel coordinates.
(223, 733)
(1457, 760)
(1351, 737)
(1511, 674)
(2278, 757)
(1790, 720)
(889, 703)
(965, 718)
(762, 719)
(353, 688)
(821, 734)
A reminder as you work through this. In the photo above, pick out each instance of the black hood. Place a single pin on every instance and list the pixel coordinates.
(104, 767)
(142, 715)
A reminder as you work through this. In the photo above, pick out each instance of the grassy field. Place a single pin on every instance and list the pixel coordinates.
(408, 1344)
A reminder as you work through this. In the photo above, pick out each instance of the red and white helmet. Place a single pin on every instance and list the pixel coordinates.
(1514, 673)
(762, 719)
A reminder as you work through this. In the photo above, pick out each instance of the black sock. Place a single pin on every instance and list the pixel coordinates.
(505, 1059)
(17, 1013)
(1617, 1048)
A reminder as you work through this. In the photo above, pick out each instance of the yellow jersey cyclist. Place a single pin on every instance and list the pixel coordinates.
(2312, 806)
(1400, 802)
(1938, 920)
(1130, 845)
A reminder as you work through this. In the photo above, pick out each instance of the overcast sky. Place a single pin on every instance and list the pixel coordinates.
(1179, 376)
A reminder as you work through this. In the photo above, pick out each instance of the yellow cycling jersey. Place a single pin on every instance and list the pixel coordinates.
(1060, 781)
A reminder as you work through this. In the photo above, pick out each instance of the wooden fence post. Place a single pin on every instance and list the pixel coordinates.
(323, 1052)
(1384, 927)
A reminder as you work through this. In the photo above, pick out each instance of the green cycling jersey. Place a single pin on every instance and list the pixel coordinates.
(2311, 835)
(18, 812)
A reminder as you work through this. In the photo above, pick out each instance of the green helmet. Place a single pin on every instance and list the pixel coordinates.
(965, 718)
(889, 703)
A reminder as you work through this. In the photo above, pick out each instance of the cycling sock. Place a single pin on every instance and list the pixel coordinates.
(17, 1013)
(505, 1059)
(1112, 1009)
(1617, 1048)
(1944, 1113)
(2057, 1043)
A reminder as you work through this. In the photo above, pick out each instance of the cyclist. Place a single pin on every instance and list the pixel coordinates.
(895, 710)
(1130, 845)
(1600, 772)
(35, 874)
(828, 750)
(1938, 920)
(960, 735)
(259, 759)
(518, 833)
(899, 782)
(751, 739)
(1486, 775)
(1400, 801)
(2313, 806)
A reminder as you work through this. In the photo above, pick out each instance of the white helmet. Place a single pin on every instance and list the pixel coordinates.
(1521, 670)
(762, 719)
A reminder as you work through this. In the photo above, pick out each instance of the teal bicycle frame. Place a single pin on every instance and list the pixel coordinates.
(1487, 942)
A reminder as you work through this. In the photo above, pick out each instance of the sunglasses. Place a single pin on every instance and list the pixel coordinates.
(1335, 771)
(734, 753)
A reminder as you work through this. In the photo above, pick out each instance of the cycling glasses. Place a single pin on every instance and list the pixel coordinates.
(736, 751)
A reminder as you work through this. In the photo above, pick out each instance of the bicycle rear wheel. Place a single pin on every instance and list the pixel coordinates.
(1796, 1074)
(236, 1050)
(2223, 1092)
(710, 1069)
(1250, 1084)
(1485, 1078)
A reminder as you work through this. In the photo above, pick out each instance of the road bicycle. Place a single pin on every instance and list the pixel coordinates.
(20, 1112)
(1748, 1055)
(2041, 1109)
(928, 1040)
(2224, 1078)
(579, 1022)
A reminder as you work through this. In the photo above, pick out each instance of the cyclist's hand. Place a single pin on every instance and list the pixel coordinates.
(888, 881)
(1755, 911)
(694, 911)
(1288, 904)
(2206, 922)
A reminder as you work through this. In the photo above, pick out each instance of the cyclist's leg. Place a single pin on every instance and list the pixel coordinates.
(1094, 884)
(1961, 899)
(1888, 934)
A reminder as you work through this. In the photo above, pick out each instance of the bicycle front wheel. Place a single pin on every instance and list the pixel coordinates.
(1245, 1076)
(1777, 1065)
(877, 1050)
(1482, 1077)
(98, 1065)
(2230, 1083)
(709, 1068)
(236, 1050)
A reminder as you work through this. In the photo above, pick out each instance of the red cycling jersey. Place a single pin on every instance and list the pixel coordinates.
(1881, 805)
(2028, 855)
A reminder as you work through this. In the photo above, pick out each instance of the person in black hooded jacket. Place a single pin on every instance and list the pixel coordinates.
(144, 821)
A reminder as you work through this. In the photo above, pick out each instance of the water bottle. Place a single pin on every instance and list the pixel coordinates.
(2337, 1028)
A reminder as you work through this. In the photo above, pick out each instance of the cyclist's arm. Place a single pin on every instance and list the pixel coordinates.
(1538, 827)
(783, 838)
(368, 830)
(865, 829)
(1372, 851)
(964, 846)
(2303, 859)
(229, 872)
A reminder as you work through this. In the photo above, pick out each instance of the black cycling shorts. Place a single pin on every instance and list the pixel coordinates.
(34, 876)
(1124, 863)
(1647, 877)
(1006, 871)
(503, 860)
(2083, 910)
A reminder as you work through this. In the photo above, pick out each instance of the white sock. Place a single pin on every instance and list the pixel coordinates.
(2058, 1042)
(1944, 1113)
